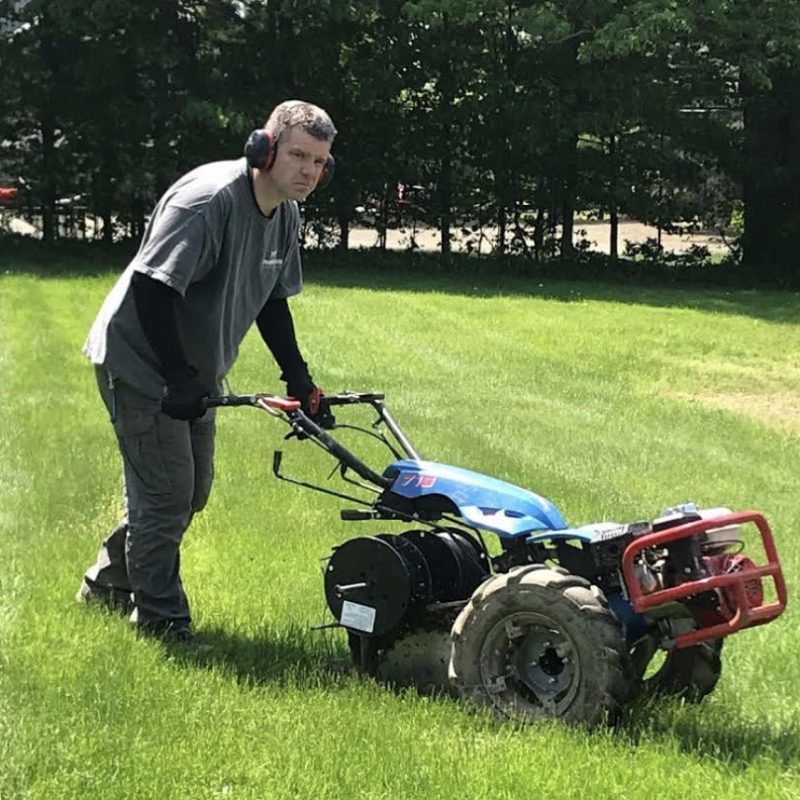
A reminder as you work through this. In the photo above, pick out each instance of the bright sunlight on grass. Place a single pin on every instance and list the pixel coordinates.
(614, 402)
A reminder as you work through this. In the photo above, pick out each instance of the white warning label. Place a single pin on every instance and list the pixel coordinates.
(358, 617)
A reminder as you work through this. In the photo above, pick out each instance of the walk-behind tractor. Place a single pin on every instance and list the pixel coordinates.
(552, 620)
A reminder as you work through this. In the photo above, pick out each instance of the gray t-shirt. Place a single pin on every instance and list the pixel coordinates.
(208, 240)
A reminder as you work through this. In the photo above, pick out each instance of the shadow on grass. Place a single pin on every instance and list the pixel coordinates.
(302, 659)
(565, 283)
(21, 255)
(712, 288)
(287, 657)
(713, 731)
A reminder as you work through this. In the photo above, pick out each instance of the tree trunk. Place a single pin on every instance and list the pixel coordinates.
(772, 174)
(138, 217)
(47, 105)
(107, 173)
(445, 200)
(502, 223)
(568, 198)
(613, 249)
(567, 228)
(445, 191)
(613, 212)
(343, 202)
(49, 171)
(344, 233)
(383, 218)
(538, 235)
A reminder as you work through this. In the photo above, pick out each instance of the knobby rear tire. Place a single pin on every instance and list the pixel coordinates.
(690, 673)
(538, 642)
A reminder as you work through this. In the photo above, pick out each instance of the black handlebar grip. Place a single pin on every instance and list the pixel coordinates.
(231, 400)
(355, 514)
(349, 398)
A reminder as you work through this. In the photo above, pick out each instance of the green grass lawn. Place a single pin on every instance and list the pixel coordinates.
(613, 401)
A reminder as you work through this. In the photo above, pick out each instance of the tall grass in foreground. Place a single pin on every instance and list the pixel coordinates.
(613, 402)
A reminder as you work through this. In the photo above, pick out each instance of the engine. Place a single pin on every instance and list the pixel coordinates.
(691, 571)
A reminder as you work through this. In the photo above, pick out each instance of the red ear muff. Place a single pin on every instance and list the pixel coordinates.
(260, 149)
(326, 175)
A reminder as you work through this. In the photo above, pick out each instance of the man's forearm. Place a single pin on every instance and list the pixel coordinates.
(277, 330)
(155, 306)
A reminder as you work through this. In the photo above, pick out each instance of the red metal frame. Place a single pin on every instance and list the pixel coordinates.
(734, 582)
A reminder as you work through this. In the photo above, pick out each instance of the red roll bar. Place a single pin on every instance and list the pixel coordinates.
(744, 615)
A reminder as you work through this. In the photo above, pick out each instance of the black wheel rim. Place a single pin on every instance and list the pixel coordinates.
(530, 665)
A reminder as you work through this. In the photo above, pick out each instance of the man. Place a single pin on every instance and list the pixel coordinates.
(220, 252)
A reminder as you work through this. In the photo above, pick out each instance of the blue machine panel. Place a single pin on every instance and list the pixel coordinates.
(484, 502)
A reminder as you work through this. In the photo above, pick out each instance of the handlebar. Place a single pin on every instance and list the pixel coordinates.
(273, 401)
(287, 404)
(348, 398)
(300, 422)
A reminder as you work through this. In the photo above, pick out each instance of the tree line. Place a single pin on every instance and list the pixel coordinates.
(502, 114)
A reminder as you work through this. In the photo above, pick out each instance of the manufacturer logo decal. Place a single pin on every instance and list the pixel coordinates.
(420, 481)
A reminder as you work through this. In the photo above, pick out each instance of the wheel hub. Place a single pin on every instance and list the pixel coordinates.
(542, 662)
(536, 659)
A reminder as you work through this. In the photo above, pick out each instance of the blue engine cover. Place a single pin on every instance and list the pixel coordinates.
(487, 503)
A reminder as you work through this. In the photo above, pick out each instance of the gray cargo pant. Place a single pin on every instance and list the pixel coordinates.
(168, 468)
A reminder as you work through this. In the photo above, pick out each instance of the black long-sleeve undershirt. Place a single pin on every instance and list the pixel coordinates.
(155, 306)
(276, 327)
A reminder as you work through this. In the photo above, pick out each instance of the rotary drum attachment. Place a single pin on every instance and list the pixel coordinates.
(398, 594)
(374, 585)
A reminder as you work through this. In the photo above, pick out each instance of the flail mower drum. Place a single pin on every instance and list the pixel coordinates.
(561, 621)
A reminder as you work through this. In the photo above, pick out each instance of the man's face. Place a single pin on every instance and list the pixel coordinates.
(298, 163)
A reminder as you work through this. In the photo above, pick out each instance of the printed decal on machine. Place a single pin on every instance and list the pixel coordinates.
(419, 481)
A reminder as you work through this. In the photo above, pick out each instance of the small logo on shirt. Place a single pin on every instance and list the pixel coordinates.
(272, 260)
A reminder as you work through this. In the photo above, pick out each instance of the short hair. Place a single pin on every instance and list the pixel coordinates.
(299, 114)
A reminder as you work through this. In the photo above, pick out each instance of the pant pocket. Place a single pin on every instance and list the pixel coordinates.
(203, 435)
(141, 446)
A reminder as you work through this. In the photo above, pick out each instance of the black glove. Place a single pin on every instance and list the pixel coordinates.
(311, 401)
(184, 395)
(318, 410)
(300, 386)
